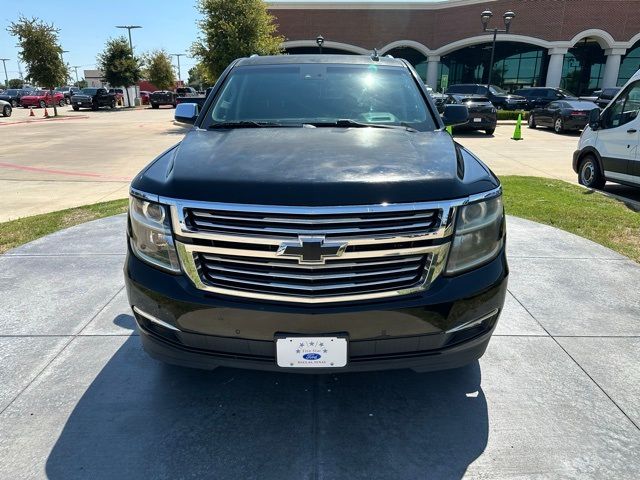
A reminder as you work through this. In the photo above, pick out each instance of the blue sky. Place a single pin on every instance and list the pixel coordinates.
(86, 26)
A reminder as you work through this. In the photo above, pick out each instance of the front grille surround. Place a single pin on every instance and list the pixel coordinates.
(244, 262)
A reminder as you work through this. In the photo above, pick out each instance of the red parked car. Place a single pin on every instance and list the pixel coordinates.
(144, 97)
(42, 98)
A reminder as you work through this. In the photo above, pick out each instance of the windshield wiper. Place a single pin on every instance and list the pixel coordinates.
(248, 124)
(348, 123)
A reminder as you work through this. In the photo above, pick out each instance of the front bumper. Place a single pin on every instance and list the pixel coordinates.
(420, 331)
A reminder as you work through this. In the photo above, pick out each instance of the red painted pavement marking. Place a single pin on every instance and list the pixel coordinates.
(61, 172)
(38, 120)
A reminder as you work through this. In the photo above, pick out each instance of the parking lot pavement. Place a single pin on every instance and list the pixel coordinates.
(541, 153)
(87, 157)
(84, 157)
(555, 396)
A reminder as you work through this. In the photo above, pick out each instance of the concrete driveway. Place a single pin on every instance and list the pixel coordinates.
(557, 394)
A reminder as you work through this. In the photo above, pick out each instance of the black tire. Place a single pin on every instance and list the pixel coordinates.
(94, 106)
(67, 100)
(42, 104)
(76, 107)
(173, 105)
(155, 105)
(589, 173)
(14, 103)
(558, 125)
(7, 110)
(489, 131)
(113, 104)
(62, 103)
(532, 121)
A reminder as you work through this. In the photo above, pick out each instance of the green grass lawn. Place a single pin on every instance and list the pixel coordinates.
(23, 230)
(552, 202)
(577, 210)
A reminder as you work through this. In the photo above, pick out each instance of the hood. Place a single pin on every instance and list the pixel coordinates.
(314, 167)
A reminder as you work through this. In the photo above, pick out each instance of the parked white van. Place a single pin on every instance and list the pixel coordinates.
(608, 147)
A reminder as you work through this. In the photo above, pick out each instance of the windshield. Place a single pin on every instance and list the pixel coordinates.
(88, 91)
(497, 90)
(321, 93)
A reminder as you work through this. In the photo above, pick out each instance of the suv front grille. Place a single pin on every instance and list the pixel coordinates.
(335, 277)
(291, 225)
(251, 251)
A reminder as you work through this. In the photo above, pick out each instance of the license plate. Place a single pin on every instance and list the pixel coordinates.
(311, 352)
(478, 120)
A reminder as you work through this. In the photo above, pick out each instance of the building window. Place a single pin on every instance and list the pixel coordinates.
(583, 68)
(414, 57)
(630, 64)
(516, 65)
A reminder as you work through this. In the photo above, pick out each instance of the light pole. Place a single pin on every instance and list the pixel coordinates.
(129, 28)
(62, 52)
(6, 77)
(485, 17)
(179, 55)
(76, 67)
(320, 42)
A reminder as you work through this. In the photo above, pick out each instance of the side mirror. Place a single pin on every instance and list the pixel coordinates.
(594, 119)
(186, 113)
(455, 115)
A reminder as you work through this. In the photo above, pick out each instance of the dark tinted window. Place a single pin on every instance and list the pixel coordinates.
(624, 109)
(314, 93)
(462, 89)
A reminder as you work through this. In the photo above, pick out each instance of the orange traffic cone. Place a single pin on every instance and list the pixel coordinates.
(46, 114)
(31, 114)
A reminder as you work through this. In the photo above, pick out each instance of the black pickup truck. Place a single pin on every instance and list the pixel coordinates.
(93, 98)
(163, 97)
(197, 99)
(318, 218)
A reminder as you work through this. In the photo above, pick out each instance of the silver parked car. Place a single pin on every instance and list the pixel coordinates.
(5, 108)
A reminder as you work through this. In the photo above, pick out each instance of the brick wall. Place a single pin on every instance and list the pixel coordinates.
(551, 20)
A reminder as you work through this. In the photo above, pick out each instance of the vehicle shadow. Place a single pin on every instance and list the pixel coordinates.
(141, 419)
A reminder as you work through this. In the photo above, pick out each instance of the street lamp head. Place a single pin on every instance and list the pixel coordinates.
(508, 17)
(485, 17)
(320, 40)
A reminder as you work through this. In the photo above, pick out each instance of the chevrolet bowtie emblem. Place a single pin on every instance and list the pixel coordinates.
(311, 249)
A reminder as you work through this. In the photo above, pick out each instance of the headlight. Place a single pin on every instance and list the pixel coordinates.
(150, 236)
(479, 235)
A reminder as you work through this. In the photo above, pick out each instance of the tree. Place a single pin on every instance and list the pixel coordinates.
(233, 29)
(41, 52)
(119, 67)
(159, 70)
(81, 83)
(15, 83)
(198, 77)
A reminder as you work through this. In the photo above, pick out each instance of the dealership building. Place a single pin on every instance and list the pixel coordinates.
(579, 45)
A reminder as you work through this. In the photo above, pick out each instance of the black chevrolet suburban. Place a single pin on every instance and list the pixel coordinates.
(317, 218)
